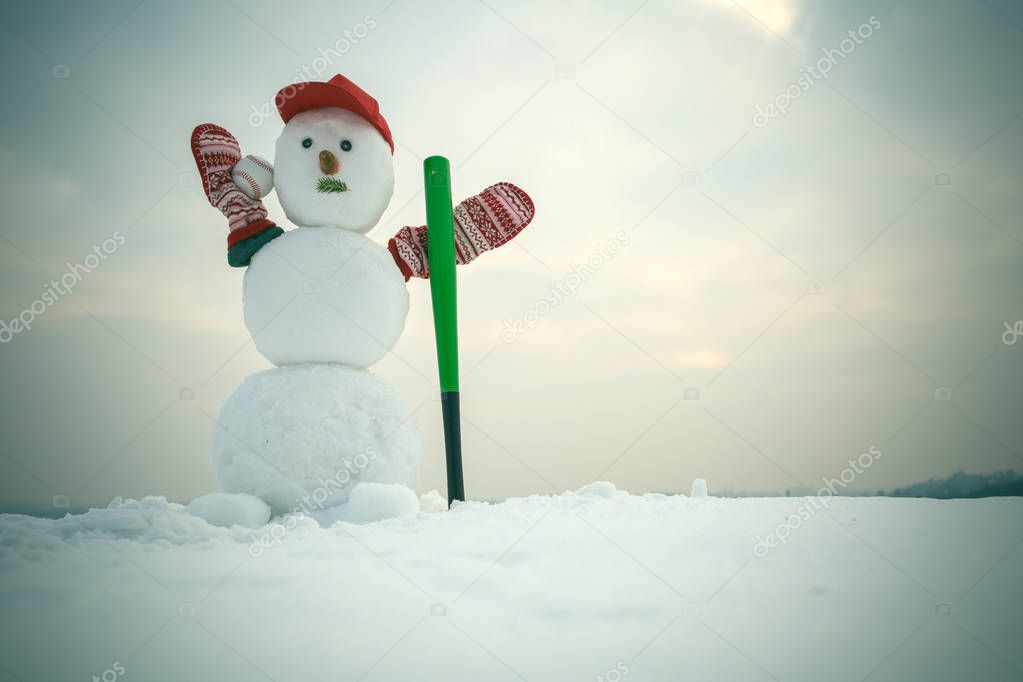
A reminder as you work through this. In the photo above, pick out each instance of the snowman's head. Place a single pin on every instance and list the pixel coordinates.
(333, 168)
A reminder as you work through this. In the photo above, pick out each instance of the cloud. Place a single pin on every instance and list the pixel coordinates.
(703, 358)
(777, 15)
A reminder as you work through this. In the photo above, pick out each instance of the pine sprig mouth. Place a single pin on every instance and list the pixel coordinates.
(331, 186)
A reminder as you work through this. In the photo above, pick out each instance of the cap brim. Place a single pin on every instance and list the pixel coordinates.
(298, 97)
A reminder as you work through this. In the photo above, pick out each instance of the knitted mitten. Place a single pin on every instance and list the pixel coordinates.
(216, 152)
(482, 222)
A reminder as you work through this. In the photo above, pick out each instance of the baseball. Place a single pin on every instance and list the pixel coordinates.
(254, 177)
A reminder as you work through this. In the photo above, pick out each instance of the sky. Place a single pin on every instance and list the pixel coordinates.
(770, 235)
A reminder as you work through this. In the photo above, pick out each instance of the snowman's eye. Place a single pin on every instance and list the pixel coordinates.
(307, 143)
(346, 146)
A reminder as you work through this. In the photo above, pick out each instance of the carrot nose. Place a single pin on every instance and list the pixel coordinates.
(329, 163)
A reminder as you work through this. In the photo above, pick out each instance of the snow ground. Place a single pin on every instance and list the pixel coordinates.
(595, 585)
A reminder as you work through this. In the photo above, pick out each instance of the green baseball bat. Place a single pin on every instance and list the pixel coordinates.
(441, 253)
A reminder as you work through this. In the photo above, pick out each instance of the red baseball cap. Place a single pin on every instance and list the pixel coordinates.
(337, 92)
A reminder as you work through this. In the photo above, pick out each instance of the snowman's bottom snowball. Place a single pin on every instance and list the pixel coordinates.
(300, 437)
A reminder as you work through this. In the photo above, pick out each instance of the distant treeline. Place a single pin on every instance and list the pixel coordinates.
(959, 485)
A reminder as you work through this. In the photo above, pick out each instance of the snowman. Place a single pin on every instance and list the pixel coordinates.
(323, 302)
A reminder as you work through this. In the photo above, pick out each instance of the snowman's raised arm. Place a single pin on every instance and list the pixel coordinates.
(216, 152)
(482, 222)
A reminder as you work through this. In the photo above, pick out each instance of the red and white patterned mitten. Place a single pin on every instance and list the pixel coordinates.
(216, 151)
(482, 222)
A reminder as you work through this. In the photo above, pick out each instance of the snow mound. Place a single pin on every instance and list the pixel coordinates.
(699, 489)
(369, 502)
(432, 502)
(231, 509)
(151, 520)
(378, 501)
(598, 489)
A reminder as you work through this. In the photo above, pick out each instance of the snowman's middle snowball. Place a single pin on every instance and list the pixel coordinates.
(324, 294)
